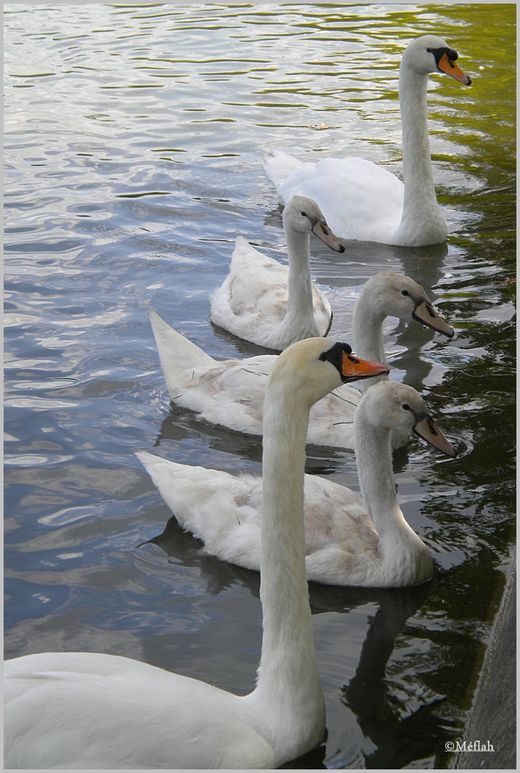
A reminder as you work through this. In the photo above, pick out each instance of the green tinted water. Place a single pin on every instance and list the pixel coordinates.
(133, 138)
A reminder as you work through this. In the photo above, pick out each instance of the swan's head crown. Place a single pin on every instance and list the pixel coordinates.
(394, 406)
(396, 295)
(303, 215)
(313, 367)
(430, 53)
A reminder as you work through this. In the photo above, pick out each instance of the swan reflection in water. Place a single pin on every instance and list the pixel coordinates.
(396, 737)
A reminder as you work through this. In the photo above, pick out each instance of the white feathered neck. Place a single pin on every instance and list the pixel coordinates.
(299, 321)
(401, 551)
(288, 687)
(422, 220)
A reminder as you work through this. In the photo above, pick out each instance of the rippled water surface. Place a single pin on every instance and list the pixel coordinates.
(133, 142)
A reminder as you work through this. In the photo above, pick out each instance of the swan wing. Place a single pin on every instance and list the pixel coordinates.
(331, 421)
(220, 509)
(230, 393)
(359, 199)
(225, 511)
(252, 301)
(91, 710)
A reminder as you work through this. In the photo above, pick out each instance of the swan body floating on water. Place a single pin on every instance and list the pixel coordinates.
(362, 200)
(264, 302)
(93, 710)
(349, 539)
(231, 392)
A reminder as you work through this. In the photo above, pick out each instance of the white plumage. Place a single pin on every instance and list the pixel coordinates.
(362, 200)
(93, 710)
(231, 392)
(350, 539)
(267, 303)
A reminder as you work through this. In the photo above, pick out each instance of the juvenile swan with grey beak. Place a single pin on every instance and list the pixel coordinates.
(362, 200)
(350, 539)
(264, 302)
(231, 392)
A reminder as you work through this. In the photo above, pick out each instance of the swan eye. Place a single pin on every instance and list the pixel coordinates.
(405, 407)
(405, 292)
(303, 214)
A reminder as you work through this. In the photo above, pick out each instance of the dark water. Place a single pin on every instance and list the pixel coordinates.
(133, 138)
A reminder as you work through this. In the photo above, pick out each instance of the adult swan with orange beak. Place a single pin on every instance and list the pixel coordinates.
(364, 201)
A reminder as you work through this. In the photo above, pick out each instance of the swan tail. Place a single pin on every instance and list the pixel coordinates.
(243, 254)
(176, 353)
(279, 166)
(204, 501)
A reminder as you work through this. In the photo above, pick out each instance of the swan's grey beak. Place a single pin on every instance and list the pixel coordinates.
(426, 315)
(429, 431)
(448, 66)
(323, 232)
(353, 368)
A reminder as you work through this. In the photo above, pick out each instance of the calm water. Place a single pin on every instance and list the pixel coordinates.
(133, 138)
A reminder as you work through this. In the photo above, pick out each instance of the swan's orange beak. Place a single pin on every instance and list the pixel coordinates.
(448, 66)
(353, 368)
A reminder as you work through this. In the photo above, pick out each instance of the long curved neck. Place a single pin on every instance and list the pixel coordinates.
(299, 302)
(288, 694)
(376, 480)
(367, 329)
(419, 190)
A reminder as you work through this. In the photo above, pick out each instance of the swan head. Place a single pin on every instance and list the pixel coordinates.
(303, 215)
(315, 366)
(430, 53)
(394, 406)
(396, 295)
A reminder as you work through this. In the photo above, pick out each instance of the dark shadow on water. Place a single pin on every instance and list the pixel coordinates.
(398, 740)
(181, 546)
(399, 736)
(242, 347)
(313, 760)
(424, 264)
(182, 424)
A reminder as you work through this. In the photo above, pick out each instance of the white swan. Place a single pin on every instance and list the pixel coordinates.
(264, 302)
(349, 539)
(364, 201)
(92, 710)
(231, 392)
